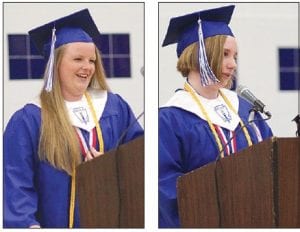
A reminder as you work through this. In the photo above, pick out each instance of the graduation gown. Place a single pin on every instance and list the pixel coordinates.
(35, 192)
(186, 142)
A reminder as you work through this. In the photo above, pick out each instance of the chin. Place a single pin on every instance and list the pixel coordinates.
(226, 83)
(82, 89)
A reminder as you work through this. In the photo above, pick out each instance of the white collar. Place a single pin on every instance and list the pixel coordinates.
(218, 111)
(79, 111)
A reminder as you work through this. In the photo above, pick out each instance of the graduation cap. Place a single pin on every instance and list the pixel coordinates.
(187, 29)
(76, 27)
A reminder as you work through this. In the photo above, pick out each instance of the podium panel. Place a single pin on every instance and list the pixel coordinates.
(110, 188)
(255, 188)
(288, 182)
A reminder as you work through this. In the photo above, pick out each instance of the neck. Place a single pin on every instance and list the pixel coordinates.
(209, 92)
(72, 98)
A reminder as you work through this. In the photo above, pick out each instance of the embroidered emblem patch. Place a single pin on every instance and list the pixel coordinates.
(81, 114)
(223, 113)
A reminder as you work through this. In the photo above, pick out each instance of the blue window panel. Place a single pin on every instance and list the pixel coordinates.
(18, 45)
(37, 68)
(18, 69)
(121, 67)
(289, 68)
(34, 51)
(120, 44)
(289, 81)
(286, 57)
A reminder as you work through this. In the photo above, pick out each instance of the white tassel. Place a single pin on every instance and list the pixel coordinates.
(50, 73)
(206, 74)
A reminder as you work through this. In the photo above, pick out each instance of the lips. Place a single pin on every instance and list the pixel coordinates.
(227, 75)
(83, 76)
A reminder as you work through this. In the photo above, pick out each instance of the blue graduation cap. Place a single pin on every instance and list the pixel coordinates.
(76, 27)
(187, 29)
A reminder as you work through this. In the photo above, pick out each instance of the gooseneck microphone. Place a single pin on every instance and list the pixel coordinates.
(245, 93)
(120, 141)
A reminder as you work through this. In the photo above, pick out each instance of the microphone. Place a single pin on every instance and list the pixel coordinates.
(245, 93)
(142, 71)
(120, 141)
(297, 120)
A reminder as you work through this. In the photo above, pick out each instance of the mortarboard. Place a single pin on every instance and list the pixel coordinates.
(183, 30)
(76, 27)
(187, 29)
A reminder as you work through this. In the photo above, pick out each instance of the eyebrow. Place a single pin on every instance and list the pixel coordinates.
(227, 49)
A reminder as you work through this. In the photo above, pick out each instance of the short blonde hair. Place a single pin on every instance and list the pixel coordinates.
(188, 60)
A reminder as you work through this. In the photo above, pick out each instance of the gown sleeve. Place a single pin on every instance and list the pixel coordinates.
(170, 168)
(20, 197)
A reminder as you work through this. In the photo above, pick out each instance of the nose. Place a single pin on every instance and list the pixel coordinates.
(86, 65)
(232, 63)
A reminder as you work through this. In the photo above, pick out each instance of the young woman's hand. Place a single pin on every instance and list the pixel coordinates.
(92, 154)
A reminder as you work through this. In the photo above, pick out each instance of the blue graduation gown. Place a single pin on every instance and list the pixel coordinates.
(36, 193)
(186, 143)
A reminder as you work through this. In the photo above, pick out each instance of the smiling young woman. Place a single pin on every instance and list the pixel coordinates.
(75, 119)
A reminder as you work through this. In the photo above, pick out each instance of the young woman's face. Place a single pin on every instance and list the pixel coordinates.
(229, 61)
(76, 69)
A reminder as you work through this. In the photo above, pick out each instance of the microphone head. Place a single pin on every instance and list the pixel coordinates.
(142, 71)
(245, 93)
(240, 89)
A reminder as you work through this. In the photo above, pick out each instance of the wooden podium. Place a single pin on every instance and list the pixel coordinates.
(110, 188)
(258, 187)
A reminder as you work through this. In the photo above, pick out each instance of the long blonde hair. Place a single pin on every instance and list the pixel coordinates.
(58, 143)
(188, 60)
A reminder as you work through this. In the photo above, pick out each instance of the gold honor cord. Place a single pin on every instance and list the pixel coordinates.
(101, 150)
(98, 129)
(72, 198)
(212, 128)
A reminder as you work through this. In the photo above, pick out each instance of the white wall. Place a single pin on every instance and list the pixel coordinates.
(260, 28)
(109, 17)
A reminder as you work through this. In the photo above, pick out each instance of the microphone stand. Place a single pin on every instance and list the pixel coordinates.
(255, 108)
(297, 120)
